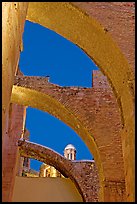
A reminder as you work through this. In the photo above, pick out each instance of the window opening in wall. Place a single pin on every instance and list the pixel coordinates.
(64, 64)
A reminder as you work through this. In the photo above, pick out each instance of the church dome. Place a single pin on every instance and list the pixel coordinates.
(70, 146)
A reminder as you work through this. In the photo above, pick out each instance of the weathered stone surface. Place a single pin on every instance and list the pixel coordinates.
(10, 152)
(82, 173)
(116, 19)
(97, 111)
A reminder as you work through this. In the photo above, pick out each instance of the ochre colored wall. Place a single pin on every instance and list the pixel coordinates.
(45, 190)
(115, 18)
(93, 34)
(13, 18)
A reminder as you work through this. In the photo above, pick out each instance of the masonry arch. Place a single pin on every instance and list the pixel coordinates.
(72, 23)
(67, 168)
(27, 97)
(28, 94)
(114, 65)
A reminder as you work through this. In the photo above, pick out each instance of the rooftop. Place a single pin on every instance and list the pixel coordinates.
(70, 146)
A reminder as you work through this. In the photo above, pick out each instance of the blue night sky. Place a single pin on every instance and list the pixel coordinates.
(47, 53)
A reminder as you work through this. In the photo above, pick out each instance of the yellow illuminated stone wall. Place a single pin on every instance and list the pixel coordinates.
(41, 189)
(83, 30)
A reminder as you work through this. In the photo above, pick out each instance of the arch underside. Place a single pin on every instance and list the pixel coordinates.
(54, 104)
(68, 168)
(85, 32)
(72, 23)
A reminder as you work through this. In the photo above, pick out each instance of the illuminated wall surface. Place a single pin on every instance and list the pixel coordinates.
(113, 20)
(45, 190)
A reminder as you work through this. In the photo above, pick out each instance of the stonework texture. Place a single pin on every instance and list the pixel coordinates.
(13, 19)
(82, 173)
(118, 18)
(97, 109)
(10, 150)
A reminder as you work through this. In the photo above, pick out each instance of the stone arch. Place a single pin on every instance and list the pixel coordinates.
(28, 89)
(69, 21)
(68, 168)
(60, 18)
(28, 97)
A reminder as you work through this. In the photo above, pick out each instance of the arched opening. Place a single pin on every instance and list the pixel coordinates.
(28, 97)
(31, 73)
(98, 44)
(114, 60)
(91, 150)
(68, 168)
(54, 56)
(54, 134)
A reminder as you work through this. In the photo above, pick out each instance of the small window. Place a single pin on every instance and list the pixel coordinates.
(70, 156)
(25, 163)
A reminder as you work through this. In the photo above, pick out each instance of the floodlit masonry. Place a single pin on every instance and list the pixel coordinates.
(111, 46)
(88, 105)
(45, 169)
(49, 171)
(83, 173)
